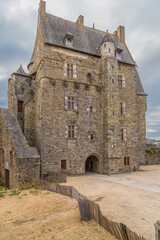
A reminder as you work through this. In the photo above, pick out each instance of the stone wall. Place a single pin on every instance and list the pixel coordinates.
(152, 158)
(22, 162)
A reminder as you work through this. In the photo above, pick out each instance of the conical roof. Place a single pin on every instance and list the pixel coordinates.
(20, 70)
(107, 38)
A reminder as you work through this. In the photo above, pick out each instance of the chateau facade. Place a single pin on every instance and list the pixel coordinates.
(81, 107)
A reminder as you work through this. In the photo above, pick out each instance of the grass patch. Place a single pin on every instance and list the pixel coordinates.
(15, 192)
(28, 186)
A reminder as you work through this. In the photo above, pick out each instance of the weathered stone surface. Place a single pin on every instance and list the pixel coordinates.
(110, 101)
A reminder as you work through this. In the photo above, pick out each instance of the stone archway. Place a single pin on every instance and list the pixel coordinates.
(92, 164)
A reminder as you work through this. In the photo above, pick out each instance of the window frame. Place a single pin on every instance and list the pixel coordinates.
(70, 103)
(89, 78)
(126, 161)
(71, 131)
(65, 164)
(69, 70)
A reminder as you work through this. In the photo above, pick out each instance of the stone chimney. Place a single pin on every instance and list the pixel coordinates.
(80, 22)
(42, 8)
(121, 34)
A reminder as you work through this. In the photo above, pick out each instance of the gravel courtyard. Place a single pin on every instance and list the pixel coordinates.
(42, 215)
(131, 198)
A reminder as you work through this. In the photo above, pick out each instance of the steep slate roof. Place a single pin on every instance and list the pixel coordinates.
(87, 40)
(139, 87)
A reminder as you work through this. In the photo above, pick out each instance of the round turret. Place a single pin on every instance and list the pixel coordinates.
(107, 47)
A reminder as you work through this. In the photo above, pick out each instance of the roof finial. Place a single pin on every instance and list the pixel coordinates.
(93, 26)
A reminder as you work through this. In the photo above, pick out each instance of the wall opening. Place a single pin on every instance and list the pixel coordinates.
(7, 178)
(1, 164)
(92, 164)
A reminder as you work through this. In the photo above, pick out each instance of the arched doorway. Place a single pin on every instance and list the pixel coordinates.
(92, 164)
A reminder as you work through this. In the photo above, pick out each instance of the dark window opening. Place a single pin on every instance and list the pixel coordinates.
(121, 108)
(91, 109)
(71, 131)
(120, 80)
(112, 80)
(89, 78)
(113, 113)
(105, 45)
(92, 137)
(126, 161)
(69, 70)
(63, 165)
(122, 134)
(109, 50)
(20, 106)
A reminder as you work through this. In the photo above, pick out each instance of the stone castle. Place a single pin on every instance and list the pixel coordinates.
(80, 108)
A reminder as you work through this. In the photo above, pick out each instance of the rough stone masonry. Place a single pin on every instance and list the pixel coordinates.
(80, 108)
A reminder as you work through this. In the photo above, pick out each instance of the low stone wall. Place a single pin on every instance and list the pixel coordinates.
(88, 209)
(19, 163)
(153, 158)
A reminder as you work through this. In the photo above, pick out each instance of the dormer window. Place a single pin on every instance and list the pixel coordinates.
(119, 53)
(69, 40)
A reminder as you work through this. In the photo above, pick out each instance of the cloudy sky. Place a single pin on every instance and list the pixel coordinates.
(141, 18)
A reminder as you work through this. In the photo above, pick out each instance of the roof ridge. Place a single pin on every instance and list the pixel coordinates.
(94, 29)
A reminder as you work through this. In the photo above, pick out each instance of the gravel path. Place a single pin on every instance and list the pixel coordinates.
(42, 215)
(132, 198)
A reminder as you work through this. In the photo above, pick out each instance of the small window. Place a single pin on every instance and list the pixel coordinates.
(71, 131)
(105, 45)
(91, 109)
(70, 103)
(121, 81)
(69, 42)
(109, 50)
(122, 134)
(112, 81)
(126, 161)
(89, 78)
(63, 165)
(113, 113)
(92, 137)
(112, 67)
(70, 70)
(20, 106)
(121, 108)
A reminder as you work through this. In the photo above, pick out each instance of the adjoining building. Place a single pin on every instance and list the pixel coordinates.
(80, 108)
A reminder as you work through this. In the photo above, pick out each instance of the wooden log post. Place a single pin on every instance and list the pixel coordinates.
(157, 230)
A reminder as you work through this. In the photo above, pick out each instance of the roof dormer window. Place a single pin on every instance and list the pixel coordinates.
(69, 40)
(119, 53)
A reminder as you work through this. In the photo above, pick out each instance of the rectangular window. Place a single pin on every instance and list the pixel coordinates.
(121, 108)
(71, 131)
(70, 103)
(120, 80)
(91, 109)
(20, 106)
(70, 70)
(122, 134)
(92, 137)
(63, 165)
(126, 161)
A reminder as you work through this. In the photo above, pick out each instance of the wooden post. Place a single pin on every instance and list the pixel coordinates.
(157, 230)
